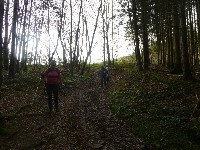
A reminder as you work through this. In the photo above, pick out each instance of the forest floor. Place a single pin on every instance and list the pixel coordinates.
(84, 122)
(137, 111)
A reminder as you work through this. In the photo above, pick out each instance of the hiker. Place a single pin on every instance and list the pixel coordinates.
(52, 82)
(108, 75)
(103, 74)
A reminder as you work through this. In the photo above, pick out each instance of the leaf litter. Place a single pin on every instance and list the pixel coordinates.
(85, 120)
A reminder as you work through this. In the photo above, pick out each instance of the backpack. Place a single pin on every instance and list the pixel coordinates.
(46, 72)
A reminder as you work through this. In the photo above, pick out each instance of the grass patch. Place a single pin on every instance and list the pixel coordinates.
(158, 108)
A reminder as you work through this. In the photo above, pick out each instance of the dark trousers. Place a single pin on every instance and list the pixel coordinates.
(103, 81)
(52, 90)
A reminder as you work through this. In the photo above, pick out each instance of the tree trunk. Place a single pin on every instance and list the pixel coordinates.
(38, 28)
(5, 44)
(178, 68)
(91, 44)
(198, 25)
(107, 40)
(164, 50)
(71, 34)
(1, 42)
(169, 36)
(137, 42)
(28, 33)
(48, 25)
(112, 33)
(145, 34)
(192, 46)
(23, 38)
(104, 35)
(186, 65)
(13, 45)
(158, 24)
(60, 28)
(76, 50)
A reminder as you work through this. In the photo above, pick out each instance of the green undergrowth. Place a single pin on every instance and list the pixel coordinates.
(158, 108)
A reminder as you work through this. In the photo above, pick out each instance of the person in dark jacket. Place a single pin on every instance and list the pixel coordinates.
(108, 75)
(103, 74)
(52, 82)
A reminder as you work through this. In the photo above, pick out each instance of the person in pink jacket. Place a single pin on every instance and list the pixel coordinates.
(52, 82)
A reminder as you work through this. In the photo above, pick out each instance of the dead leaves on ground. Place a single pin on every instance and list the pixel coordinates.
(84, 121)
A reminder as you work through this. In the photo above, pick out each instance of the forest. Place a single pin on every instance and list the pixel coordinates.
(151, 100)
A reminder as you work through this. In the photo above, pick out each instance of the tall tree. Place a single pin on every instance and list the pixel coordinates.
(71, 36)
(158, 25)
(191, 37)
(48, 30)
(197, 2)
(77, 36)
(169, 37)
(104, 32)
(38, 28)
(91, 43)
(23, 58)
(112, 31)
(136, 33)
(5, 44)
(13, 46)
(107, 30)
(1, 42)
(186, 65)
(145, 40)
(176, 20)
(28, 32)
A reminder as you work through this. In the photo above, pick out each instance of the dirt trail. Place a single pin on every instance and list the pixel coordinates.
(85, 122)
